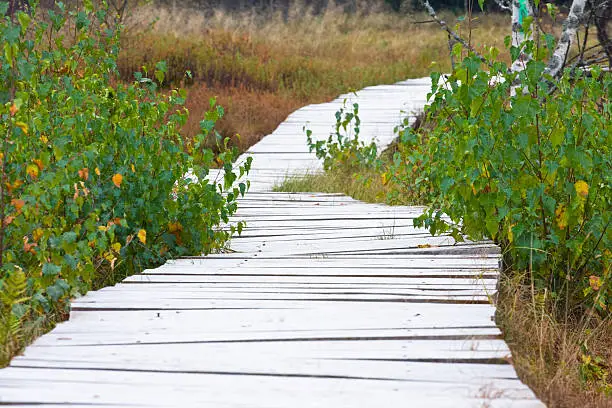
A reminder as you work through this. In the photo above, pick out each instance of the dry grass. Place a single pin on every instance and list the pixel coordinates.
(361, 184)
(549, 351)
(249, 114)
(262, 67)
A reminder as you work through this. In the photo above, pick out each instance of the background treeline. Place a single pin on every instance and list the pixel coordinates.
(316, 6)
(320, 5)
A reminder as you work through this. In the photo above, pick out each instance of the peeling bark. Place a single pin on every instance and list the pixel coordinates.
(568, 35)
(603, 15)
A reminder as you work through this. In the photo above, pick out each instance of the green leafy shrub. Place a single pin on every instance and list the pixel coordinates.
(343, 147)
(531, 171)
(94, 173)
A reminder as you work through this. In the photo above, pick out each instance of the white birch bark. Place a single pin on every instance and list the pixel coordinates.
(518, 35)
(568, 35)
(504, 4)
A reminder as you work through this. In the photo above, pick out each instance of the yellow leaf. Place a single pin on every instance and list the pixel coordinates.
(510, 233)
(117, 180)
(133, 169)
(37, 234)
(424, 246)
(13, 109)
(384, 179)
(595, 282)
(44, 139)
(582, 188)
(142, 236)
(174, 226)
(561, 216)
(103, 228)
(39, 164)
(32, 171)
(23, 126)
(97, 170)
(116, 247)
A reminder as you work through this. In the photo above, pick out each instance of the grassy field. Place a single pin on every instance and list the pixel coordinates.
(263, 67)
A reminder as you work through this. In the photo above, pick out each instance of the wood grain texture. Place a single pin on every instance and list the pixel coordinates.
(324, 302)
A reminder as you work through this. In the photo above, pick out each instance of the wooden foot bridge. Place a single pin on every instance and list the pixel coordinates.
(326, 302)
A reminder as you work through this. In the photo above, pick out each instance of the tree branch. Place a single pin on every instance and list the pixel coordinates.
(504, 4)
(451, 33)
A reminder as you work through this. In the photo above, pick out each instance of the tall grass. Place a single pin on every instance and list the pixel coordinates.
(264, 66)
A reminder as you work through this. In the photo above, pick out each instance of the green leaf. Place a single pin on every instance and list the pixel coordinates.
(49, 269)
(24, 21)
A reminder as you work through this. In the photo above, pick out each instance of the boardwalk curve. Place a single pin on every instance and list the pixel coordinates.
(327, 302)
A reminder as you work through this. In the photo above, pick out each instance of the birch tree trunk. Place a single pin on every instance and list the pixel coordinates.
(521, 9)
(568, 35)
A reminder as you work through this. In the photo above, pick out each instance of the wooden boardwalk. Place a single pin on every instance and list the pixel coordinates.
(327, 302)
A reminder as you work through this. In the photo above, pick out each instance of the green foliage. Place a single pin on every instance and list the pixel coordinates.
(594, 371)
(343, 147)
(94, 173)
(13, 307)
(531, 171)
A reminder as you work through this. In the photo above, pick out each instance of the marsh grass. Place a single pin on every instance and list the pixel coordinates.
(263, 66)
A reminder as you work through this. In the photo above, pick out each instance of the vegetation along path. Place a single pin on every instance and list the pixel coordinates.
(326, 302)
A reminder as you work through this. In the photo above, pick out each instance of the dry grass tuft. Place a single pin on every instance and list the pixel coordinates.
(554, 355)
(361, 184)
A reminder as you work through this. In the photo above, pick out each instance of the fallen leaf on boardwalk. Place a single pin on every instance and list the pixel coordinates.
(424, 246)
